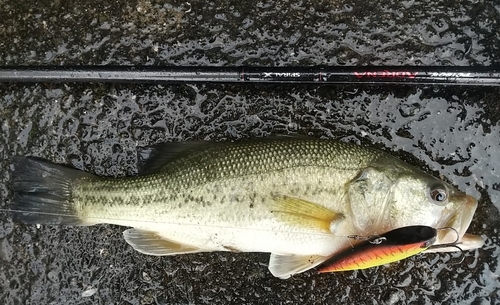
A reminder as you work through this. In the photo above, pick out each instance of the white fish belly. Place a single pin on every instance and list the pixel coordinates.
(255, 239)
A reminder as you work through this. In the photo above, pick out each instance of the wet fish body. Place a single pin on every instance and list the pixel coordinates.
(295, 198)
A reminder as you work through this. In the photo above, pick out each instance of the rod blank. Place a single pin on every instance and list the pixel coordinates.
(410, 75)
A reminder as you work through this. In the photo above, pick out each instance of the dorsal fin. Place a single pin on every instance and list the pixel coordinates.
(152, 159)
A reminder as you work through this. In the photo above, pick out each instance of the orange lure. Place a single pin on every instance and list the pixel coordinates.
(382, 249)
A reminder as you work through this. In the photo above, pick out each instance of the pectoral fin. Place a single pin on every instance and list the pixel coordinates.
(304, 213)
(284, 266)
(151, 243)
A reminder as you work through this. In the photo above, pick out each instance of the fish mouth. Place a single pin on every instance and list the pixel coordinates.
(466, 242)
(452, 237)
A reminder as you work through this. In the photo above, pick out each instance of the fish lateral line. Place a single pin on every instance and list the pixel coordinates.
(183, 224)
(372, 239)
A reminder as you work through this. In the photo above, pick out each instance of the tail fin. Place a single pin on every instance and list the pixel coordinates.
(43, 192)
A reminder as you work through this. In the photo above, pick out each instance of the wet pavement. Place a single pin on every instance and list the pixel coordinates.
(451, 132)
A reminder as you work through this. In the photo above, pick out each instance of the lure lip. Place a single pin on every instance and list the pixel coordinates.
(392, 246)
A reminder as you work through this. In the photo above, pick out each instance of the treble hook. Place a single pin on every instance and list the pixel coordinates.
(372, 239)
(453, 244)
(454, 230)
(377, 241)
(357, 237)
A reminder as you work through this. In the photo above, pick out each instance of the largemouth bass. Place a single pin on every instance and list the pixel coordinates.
(299, 199)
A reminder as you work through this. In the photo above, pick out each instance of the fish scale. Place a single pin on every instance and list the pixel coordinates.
(296, 198)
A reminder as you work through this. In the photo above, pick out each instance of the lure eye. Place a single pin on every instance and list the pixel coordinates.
(439, 195)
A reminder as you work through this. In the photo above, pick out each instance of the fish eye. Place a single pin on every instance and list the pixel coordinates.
(439, 195)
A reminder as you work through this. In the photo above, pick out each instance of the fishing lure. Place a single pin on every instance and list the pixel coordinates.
(382, 249)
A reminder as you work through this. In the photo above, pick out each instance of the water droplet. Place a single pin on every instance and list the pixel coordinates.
(89, 292)
(409, 110)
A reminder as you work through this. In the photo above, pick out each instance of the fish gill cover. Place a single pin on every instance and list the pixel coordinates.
(452, 132)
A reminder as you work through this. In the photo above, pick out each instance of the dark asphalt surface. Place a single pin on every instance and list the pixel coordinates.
(451, 132)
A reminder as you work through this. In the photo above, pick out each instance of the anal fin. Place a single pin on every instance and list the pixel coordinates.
(284, 266)
(304, 213)
(149, 242)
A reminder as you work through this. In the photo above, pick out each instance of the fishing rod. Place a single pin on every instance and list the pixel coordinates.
(408, 75)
